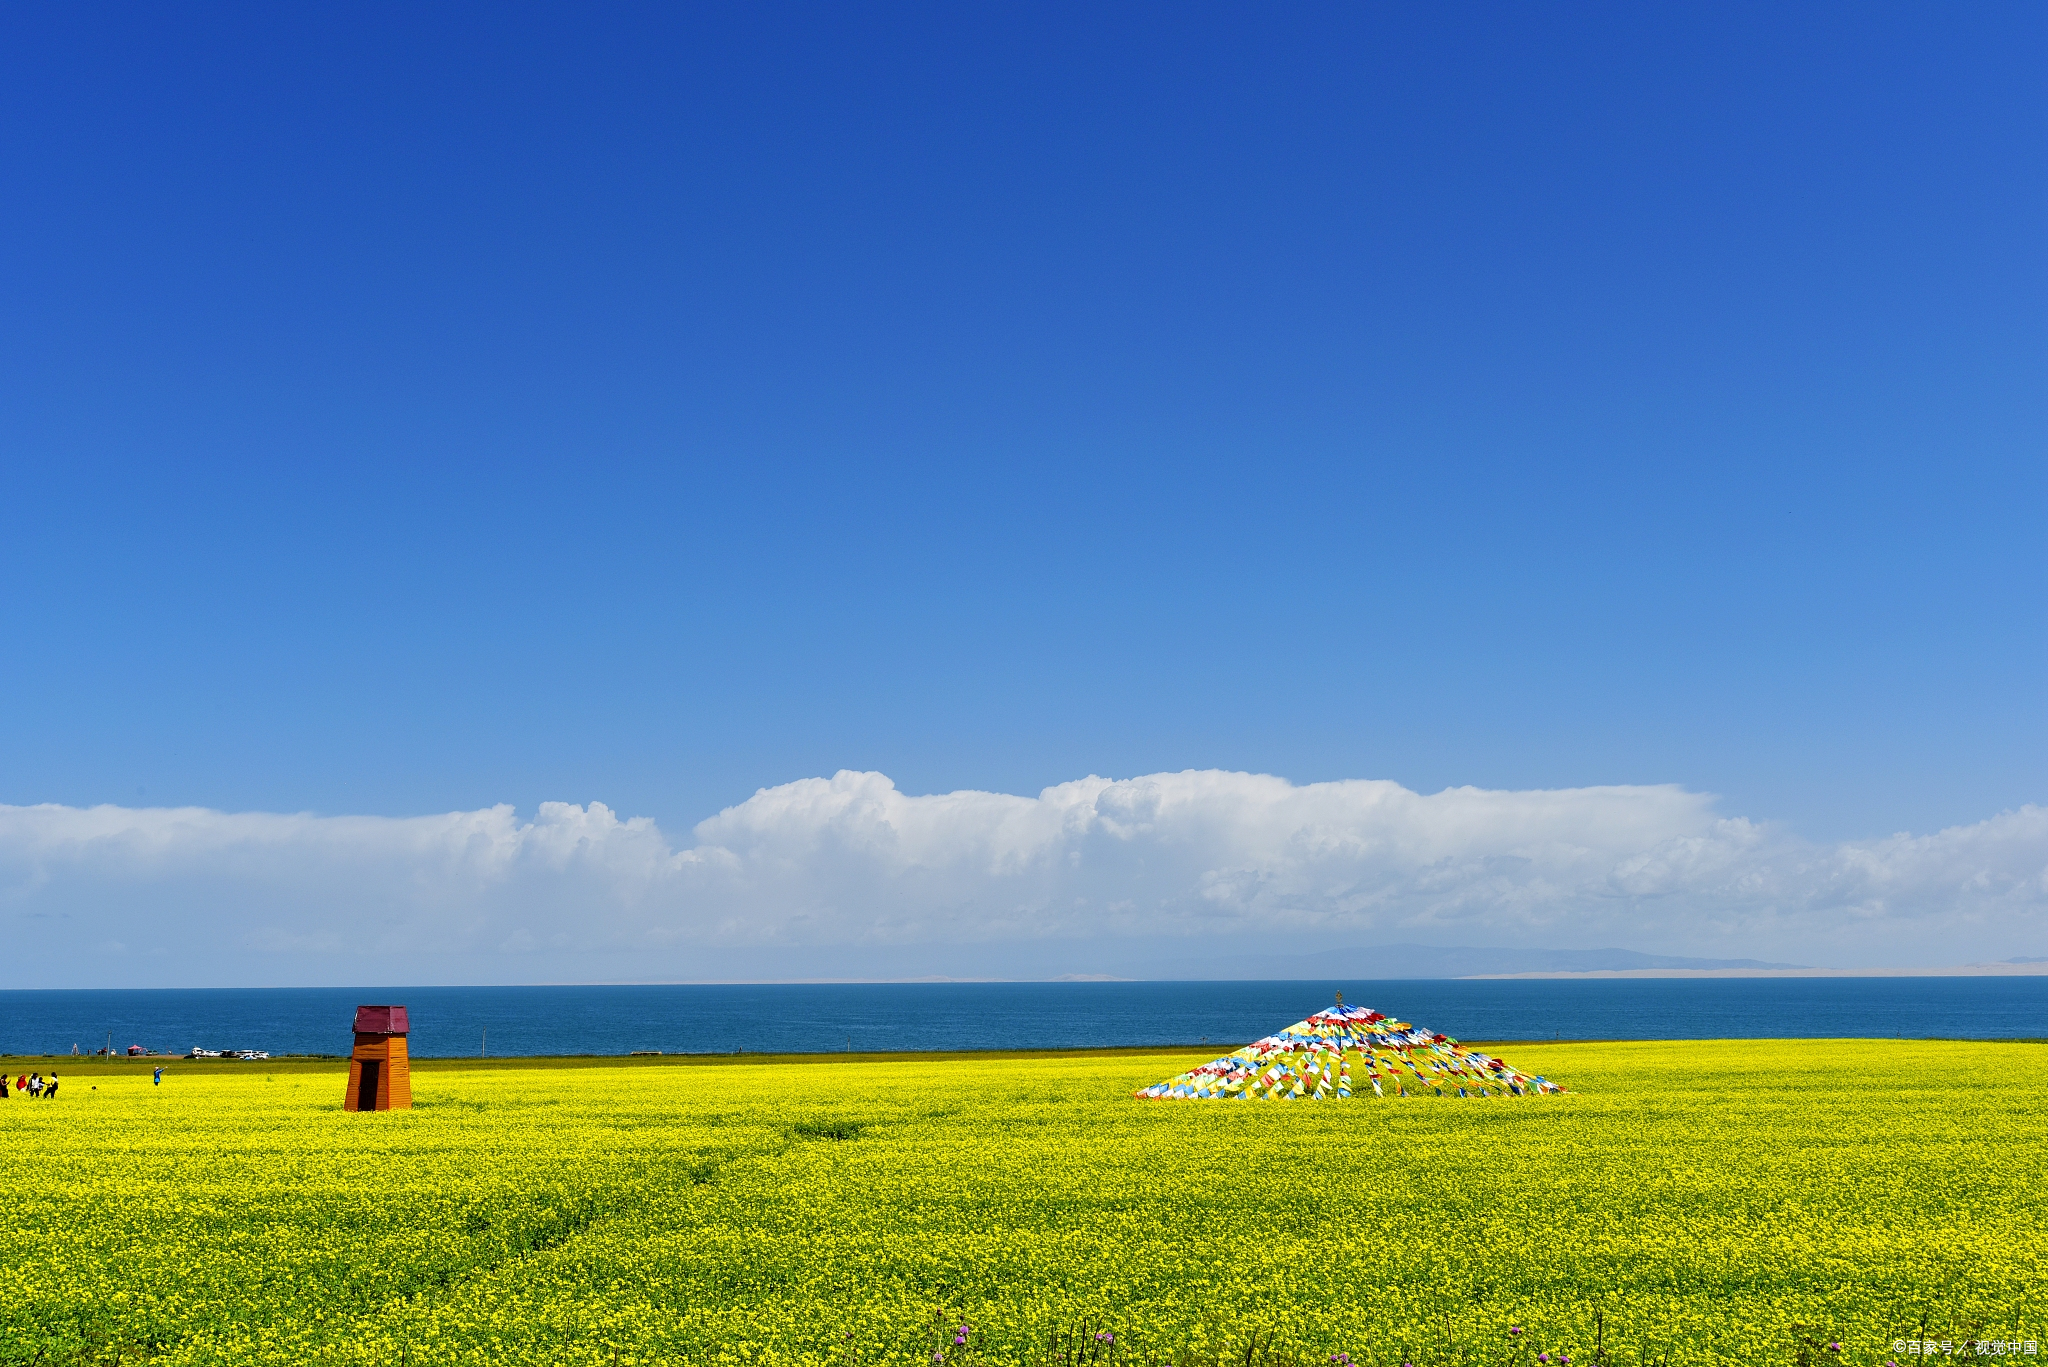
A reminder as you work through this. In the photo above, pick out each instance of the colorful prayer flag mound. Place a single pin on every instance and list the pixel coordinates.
(1312, 1060)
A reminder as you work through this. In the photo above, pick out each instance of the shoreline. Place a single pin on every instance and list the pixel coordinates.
(88, 1065)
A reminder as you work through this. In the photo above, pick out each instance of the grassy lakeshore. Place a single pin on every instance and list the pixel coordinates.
(92, 1065)
(1729, 1201)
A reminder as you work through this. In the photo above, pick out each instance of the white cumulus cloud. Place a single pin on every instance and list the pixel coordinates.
(849, 876)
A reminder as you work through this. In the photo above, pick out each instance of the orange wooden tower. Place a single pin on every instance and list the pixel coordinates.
(379, 1072)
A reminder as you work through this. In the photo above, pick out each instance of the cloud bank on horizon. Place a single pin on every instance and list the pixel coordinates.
(849, 877)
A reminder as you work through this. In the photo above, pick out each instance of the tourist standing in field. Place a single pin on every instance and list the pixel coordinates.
(50, 1088)
(158, 1080)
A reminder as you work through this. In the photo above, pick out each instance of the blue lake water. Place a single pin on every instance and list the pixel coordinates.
(872, 1017)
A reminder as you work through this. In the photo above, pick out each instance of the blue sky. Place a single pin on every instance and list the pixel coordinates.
(408, 412)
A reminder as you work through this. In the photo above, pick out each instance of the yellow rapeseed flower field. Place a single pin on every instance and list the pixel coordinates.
(1685, 1202)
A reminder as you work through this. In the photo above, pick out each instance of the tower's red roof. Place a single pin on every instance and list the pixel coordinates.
(380, 1020)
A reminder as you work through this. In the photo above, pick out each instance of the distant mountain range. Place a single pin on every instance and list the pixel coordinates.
(1435, 961)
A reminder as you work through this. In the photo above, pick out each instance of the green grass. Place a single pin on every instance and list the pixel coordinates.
(1723, 1202)
(88, 1065)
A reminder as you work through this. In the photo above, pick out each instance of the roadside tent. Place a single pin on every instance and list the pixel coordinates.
(1322, 1057)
